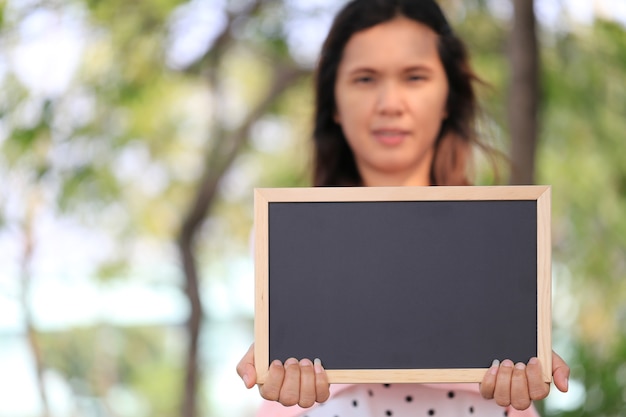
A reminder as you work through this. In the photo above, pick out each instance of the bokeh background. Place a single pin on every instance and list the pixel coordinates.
(132, 134)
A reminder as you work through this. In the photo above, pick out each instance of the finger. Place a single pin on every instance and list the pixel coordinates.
(488, 384)
(560, 372)
(537, 388)
(245, 368)
(520, 398)
(322, 387)
(307, 384)
(290, 391)
(274, 381)
(502, 392)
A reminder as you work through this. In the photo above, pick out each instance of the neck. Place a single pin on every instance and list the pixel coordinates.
(395, 179)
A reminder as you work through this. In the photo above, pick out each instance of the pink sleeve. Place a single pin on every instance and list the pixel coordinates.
(275, 409)
(529, 412)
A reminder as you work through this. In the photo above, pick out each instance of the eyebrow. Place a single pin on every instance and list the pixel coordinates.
(369, 70)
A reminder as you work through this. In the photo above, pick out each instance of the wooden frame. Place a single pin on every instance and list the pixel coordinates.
(540, 194)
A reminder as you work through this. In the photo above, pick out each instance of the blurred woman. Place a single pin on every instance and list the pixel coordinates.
(395, 106)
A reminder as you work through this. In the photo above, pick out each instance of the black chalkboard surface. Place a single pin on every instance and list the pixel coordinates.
(406, 284)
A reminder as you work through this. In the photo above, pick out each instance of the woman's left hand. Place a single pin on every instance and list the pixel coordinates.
(519, 384)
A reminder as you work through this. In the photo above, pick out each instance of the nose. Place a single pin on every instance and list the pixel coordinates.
(390, 100)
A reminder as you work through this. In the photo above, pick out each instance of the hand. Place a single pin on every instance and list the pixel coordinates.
(297, 382)
(519, 384)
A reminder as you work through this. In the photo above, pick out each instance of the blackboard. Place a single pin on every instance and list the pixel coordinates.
(403, 284)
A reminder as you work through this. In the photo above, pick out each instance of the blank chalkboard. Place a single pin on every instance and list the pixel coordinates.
(403, 284)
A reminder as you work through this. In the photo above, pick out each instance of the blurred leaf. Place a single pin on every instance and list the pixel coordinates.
(113, 269)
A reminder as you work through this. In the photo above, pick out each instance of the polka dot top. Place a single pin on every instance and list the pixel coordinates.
(403, 400)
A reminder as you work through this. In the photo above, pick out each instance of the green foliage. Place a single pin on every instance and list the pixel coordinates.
(581, 155)
(113, 269)
(3, 6)
(102, 358)
(149, 16)
(121, 150)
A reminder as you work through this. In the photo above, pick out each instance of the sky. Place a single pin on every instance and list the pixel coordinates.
(45, 59)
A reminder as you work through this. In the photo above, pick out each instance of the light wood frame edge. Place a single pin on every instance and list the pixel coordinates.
(423, 376)
(439, 193)
(261, 272)
(262, 198)
(544, 282)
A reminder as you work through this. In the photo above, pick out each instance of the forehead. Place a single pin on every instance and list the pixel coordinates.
(395, 41)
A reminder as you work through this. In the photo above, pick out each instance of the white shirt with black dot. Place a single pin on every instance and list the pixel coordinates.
(405, 400)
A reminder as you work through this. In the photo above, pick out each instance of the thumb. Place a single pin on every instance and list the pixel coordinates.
(560, 372)
(246, 369)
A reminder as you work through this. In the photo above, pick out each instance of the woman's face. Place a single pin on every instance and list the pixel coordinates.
(391, 93)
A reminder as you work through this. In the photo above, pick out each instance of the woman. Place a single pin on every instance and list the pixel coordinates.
(396, 106)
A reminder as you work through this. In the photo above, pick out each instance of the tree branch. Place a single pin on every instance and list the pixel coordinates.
(222, 155)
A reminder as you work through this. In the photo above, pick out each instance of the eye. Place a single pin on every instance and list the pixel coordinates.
(415, 77)
(364, 79)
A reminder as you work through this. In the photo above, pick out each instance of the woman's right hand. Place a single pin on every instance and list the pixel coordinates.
(296, 382)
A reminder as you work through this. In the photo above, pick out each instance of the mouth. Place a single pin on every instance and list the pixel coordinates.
(390, 137)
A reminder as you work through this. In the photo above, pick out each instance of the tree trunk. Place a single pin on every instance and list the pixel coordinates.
(31, 333)
(523, 93)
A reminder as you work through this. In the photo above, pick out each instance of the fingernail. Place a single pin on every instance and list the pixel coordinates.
(508, 363)
(276, 362)
(291, 361)
(520, 366)
(494, 367)
(246, 380)
(317, 363)
(533, 361)
(306, 362)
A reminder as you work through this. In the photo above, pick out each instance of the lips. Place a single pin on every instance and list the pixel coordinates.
(390, 136)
